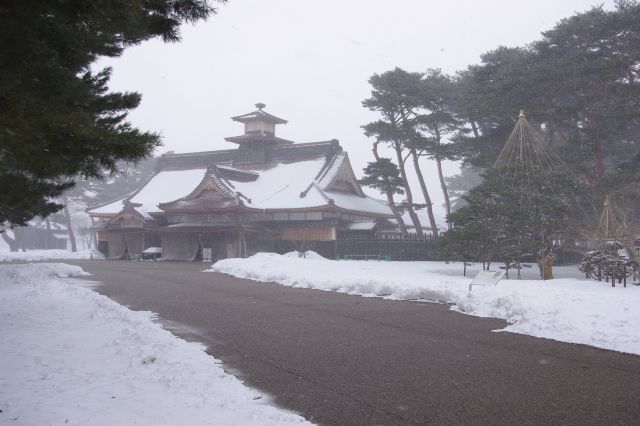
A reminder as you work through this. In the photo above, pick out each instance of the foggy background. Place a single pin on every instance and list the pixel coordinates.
(309, 62)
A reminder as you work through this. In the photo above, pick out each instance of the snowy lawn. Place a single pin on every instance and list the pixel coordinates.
(565, 309)
(36, 255)
(72, 356)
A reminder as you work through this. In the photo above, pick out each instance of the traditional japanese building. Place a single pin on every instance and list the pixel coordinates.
(266, 194)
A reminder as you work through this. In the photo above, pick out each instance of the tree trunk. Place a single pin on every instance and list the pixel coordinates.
(392, 204)
(443, 184)
(474, 127)
(599, 171)
(546, 266)
(11, 242)
(425, 193)
(93, 243)
(67, 218)
(407, 190)
(396, 214)
(47, 221)
(14, 243)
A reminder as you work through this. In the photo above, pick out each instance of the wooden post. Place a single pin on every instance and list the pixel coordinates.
(600, 273)
(613, 276)
(619, 277)
(67, 218)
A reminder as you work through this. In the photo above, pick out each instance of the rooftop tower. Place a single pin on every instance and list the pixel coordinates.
(259, 129)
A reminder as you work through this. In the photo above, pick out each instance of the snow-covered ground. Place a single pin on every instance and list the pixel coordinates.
(71, 356)
(567, 309)
(37, 255)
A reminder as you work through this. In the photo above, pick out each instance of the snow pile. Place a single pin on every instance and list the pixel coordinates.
(567, 309)
(36, 255)
(70, 355)
(309, 254)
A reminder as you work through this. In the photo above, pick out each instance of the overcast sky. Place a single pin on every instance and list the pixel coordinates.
(309, 62)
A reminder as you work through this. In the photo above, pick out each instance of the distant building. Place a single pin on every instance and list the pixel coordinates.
(37, 236)
(267, 194)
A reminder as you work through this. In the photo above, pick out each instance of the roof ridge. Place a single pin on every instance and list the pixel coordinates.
(189, 154)
(325, 196)
(327, 142)
(259, 113)
(325, 168)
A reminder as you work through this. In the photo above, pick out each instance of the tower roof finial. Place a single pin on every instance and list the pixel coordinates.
(521, 114)
(260, 105)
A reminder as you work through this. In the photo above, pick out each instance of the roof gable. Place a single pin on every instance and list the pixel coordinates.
(212, 184)
(339, 176)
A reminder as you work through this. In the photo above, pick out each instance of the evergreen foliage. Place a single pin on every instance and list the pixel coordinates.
(416, 115)
(58, 121)
(395, 95)
(579, 83)
(513, 214)
(384, 176)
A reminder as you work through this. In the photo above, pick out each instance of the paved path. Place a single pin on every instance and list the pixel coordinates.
(348, 360)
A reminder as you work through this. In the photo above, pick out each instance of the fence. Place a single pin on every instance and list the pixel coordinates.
(371, 248)
(386, 248)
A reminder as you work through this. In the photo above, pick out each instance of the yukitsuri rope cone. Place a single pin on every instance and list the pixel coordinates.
(526, 149)
(612, 257)
(526, 152)
(609, 227)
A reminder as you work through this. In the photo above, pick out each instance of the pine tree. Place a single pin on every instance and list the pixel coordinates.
(581, 82)
(384, 176)
(515, 213)
(57, 119)
(436, 118)
(394, 95)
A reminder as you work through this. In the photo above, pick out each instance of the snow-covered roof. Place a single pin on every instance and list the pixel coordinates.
(422, 217)
(41, 224)
(279, 185)
(259, 114)
(330, 173)
(358, 204)
(361, 226)
(294, 186)
(165, 186)
(109, 208)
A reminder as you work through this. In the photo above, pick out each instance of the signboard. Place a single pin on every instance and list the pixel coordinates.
(207, 254)
(487, 278)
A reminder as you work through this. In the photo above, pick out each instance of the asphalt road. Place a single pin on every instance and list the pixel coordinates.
(349, 360)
